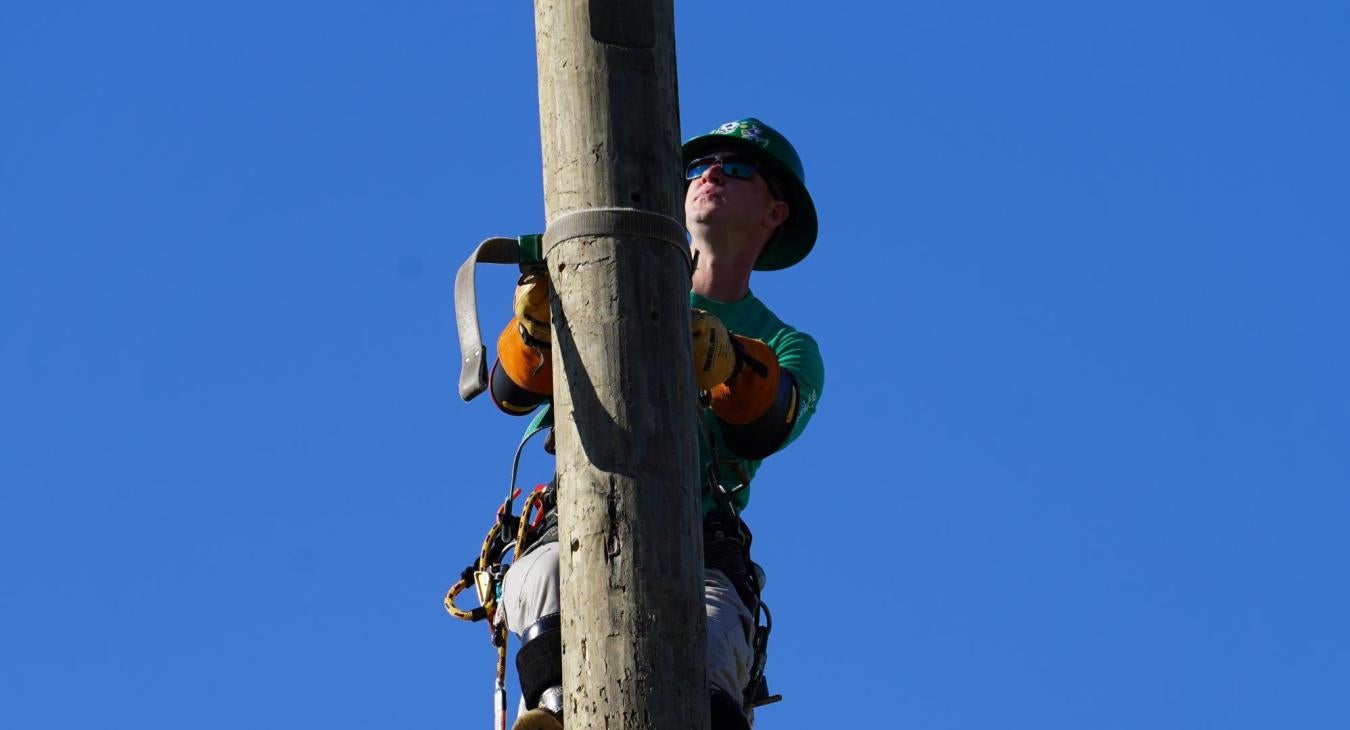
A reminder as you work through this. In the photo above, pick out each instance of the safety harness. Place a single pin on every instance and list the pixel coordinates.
(726, 547)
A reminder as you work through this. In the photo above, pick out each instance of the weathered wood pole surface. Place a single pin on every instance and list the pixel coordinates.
(631, 551)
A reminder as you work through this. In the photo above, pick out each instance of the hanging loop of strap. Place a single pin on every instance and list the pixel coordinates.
(473, 367)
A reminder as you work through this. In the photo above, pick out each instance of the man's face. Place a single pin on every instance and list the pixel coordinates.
(716, 198)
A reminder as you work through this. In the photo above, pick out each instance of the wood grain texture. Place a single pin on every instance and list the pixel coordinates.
(632, 570)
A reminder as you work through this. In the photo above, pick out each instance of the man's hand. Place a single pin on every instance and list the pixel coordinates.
(714, 354)
(532, 308)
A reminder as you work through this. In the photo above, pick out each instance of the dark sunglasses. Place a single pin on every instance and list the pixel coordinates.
(738, 166)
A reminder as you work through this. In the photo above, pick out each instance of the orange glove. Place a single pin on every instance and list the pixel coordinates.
(752, 388)
(527, 366)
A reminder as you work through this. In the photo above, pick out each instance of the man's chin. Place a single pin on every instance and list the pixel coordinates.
(703, 213)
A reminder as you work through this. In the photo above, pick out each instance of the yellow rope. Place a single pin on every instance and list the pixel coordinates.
(490, 604)
(535, 499)
(488, 598)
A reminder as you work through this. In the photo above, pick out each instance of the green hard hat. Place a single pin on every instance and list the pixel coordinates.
(798, 233)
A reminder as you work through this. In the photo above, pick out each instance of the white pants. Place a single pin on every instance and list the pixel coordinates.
(530, 590)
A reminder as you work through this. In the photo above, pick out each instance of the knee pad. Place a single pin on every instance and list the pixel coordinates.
(539, 659)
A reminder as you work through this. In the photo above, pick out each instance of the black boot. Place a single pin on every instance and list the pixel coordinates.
(726, 712)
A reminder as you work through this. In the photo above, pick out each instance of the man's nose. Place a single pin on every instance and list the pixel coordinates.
(713, 173)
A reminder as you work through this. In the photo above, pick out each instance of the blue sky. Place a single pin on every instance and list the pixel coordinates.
(1080, 462)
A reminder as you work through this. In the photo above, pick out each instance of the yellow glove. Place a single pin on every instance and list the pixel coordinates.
(714, 355)
(532, 308)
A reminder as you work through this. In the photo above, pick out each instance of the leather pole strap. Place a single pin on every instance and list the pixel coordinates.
(617, 223)
(596, 222)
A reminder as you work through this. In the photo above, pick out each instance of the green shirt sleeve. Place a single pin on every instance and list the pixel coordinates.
(797, 353)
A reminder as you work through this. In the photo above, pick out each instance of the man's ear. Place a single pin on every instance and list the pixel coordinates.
(776, 214)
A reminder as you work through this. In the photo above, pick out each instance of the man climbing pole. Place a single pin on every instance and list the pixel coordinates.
(746, 208)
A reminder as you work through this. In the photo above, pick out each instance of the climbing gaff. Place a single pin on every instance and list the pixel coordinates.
(521, 250)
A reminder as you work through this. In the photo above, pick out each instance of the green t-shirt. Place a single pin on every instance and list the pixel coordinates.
(797, 353)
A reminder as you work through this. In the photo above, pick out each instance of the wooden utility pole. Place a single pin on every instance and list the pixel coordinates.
(626, 411)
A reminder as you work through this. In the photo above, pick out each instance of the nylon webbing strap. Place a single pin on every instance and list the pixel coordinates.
(473, 368)
(617, 222)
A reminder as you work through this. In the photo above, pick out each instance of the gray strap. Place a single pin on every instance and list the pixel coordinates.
(627, 222)
(473, 366)
(618, 222)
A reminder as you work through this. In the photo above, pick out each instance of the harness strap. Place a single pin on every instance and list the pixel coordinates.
(551, 622)
(726, 547)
